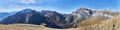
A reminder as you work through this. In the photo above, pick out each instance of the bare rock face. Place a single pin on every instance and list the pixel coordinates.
(53, 19)
(80, 15)
(106, 14)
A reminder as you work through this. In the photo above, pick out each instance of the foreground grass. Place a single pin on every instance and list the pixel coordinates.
(27, 27)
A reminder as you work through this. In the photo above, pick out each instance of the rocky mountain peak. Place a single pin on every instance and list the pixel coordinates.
(26, 10)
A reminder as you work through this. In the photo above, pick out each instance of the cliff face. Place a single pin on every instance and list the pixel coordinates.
(53, 19)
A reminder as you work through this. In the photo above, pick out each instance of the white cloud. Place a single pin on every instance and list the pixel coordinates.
(32, 1)
(27, 1)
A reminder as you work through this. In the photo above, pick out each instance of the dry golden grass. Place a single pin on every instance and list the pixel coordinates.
(91, 21)
(27, 27)
(110, 24)
(16, 27)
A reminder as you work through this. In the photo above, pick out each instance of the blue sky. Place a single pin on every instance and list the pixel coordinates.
(61, 6)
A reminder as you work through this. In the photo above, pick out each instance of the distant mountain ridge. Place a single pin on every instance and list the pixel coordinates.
(54, 19)
(5, 14)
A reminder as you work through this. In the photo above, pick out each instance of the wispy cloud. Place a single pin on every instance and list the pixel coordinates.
(27, 1)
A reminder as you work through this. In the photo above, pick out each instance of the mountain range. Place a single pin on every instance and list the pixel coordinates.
(57, 20)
